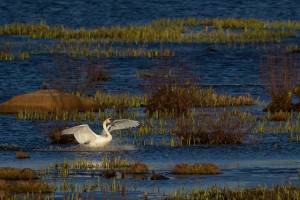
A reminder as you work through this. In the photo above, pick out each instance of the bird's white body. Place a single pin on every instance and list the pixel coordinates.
(84, 135)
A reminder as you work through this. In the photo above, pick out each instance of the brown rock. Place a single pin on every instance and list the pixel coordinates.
(46, 100)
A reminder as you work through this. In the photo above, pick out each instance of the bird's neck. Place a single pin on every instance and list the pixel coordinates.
(106, 130)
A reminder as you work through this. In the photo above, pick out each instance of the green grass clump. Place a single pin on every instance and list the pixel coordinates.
(9, 173)
(166, 30)
(119, 102)
(197, 168)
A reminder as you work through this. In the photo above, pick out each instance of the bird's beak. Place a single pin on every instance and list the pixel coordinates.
(111, 120)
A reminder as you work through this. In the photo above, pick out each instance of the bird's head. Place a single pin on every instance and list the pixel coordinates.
(110, 120)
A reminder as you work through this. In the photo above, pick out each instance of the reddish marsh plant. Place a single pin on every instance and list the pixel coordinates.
(168, 87)
(224, 127)
(280, 73)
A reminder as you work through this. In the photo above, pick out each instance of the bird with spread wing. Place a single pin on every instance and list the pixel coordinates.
(84, 135)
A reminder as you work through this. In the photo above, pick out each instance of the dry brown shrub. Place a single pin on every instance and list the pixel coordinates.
(76, 75)
(279, 116)
(223, 128)
(8, 188)
(22, 155)
(137, 168)
(9, 173)
(168, 86)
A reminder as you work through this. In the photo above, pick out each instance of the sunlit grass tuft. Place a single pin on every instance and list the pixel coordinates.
(197, 168)
(9, 173)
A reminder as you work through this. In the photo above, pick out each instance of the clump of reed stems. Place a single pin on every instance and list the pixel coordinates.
(167, 88)
(197, 168)
(22, 155)
(9, 173)
(280, 73)
(114, 162)
(110, 166)
(171, 91)
(224, 128)
(6, 55)
(81, 76)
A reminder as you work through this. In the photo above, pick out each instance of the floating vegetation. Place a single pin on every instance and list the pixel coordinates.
(22, 155)
(9, 173)
(107, 167)
(232, 23)
(264, 193)
(197, 168)
(99, 51)
(166, 30)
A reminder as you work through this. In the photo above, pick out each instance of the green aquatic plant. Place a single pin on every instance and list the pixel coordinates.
(166, 30)
(121, 101)
(259, 192)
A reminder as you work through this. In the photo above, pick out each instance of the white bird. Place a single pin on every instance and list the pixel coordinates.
(84, 135)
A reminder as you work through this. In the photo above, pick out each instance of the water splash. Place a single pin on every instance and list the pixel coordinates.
(115, 146)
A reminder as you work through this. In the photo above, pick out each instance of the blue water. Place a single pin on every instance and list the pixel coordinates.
(91, 13)
(234, 71)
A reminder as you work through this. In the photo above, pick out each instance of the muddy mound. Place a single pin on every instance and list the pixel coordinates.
(47, 100)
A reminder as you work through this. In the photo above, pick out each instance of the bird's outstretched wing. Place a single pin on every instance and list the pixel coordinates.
(82, 133)
(122, 124)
